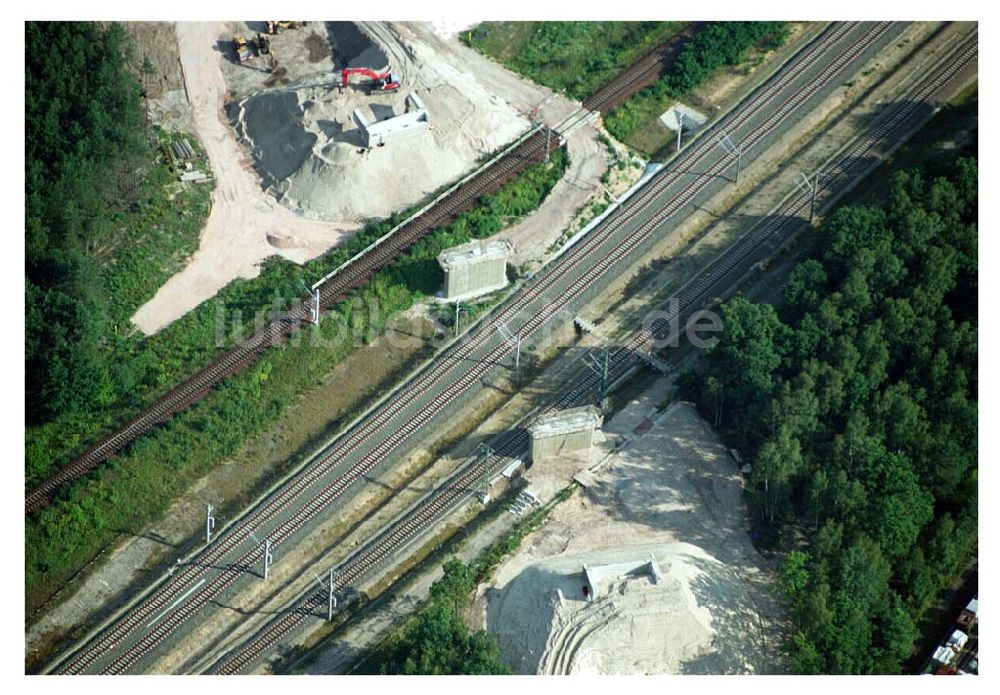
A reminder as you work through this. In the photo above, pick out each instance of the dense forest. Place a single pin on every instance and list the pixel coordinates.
(855, 401)
(83, 121)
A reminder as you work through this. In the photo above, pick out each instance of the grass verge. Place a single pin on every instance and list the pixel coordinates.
(576, 58)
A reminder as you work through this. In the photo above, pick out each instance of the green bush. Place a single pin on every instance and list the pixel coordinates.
(435, 641)
(717, 45)
(577, 58)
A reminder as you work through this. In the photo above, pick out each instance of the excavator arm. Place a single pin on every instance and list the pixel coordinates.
(383, 81)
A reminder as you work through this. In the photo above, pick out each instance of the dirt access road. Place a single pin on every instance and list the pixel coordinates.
(246, 225)
(414, 44)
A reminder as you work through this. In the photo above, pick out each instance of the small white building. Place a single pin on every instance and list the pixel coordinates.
(378, 133)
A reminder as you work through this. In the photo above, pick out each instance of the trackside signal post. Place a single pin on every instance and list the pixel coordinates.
(726, 143)
(333, 599)
(209, 524)
(513, 340)
(268, 558)
(600, 368)
(810, 186)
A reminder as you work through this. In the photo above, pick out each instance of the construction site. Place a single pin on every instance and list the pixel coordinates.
(327, 145)
(525, 375)
(337, 124)
(648, 567)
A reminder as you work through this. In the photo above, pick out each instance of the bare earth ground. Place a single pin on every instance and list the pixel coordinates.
(302, 54)
(245, 225)
(156, 41)
(533, 236)
(319, 165)
(525, 96)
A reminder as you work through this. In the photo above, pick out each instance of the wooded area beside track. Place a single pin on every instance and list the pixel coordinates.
(855, 402)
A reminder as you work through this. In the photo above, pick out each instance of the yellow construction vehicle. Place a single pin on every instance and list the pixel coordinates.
(243, 50)
(273, 27)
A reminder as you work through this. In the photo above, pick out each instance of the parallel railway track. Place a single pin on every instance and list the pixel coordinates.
(756, 245)
(642, 73)
(325, 481)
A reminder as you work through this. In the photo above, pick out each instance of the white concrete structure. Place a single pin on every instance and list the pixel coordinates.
(692, 120)
(602, 578)
(378, 133)
(564, 432)
(475, 269)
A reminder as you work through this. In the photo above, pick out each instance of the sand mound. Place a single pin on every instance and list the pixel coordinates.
(676, 622)
(353, 48)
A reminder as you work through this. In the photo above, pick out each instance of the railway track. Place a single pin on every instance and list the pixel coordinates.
(642, 73)
(366, 447)
(200, 384)
(756, 245)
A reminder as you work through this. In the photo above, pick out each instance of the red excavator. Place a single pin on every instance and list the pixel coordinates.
(380, 81)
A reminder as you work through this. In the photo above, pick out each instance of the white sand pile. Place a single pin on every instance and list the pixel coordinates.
(636, 624)
(692, 120)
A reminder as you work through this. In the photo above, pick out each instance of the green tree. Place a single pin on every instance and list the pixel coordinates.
(435, 641)
(778, 460)
(745, 360)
